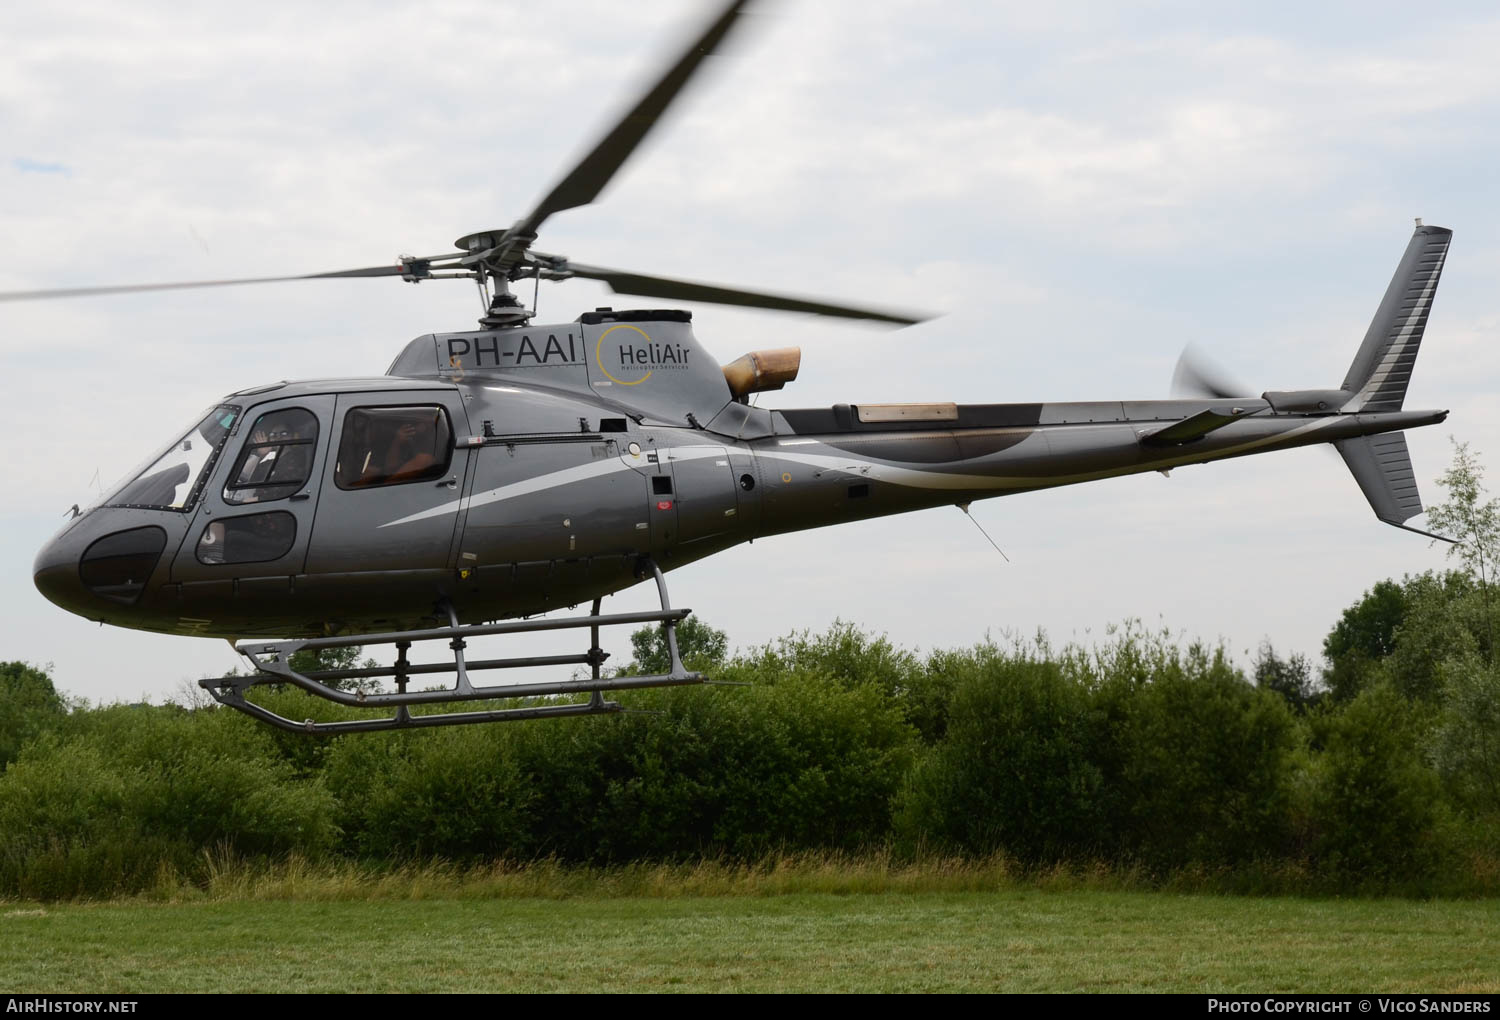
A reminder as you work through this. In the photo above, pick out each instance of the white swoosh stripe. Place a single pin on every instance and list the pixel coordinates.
(552, 480)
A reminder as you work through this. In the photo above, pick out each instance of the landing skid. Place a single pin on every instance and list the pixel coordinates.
(272, 664)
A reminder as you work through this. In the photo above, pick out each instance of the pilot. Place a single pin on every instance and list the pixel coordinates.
(294, 457)
(277, 460)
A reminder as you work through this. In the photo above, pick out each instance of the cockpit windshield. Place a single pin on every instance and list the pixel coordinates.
(170, 480)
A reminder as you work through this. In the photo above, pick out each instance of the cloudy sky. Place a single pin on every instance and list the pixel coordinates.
(1082, 189)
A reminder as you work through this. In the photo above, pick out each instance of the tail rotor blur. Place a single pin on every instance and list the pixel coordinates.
(1197, 375)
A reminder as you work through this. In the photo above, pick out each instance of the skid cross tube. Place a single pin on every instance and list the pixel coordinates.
(272, 661)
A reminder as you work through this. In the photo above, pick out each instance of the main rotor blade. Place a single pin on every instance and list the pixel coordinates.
(66, 292)
(622, 282)
(584, 182)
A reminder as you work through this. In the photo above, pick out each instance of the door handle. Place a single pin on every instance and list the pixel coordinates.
(300, 496)
(451, 483)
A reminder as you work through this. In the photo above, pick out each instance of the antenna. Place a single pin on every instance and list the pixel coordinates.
(965, 508)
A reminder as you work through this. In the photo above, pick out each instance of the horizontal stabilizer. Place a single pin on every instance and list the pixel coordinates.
(1382, 467)
(1189, 429)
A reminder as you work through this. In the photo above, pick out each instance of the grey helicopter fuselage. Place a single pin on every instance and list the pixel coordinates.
(560, 458)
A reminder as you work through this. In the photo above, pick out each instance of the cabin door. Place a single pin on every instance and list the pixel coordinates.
(393, 484)
(254, 521)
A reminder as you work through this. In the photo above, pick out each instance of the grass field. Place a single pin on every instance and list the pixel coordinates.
(1006, 940)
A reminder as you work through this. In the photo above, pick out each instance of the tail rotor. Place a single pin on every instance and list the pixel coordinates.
(1198, 375)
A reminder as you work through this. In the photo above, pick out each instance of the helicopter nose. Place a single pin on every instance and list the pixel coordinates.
(55, 573)
(76, 573)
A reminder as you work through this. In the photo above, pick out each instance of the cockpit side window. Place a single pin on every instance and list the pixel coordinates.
(277, 460)
(393, 445)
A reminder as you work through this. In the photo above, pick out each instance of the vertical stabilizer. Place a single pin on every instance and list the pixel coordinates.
(1382, 368)
(1382, 467)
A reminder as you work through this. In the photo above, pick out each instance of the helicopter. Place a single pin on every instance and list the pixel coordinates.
(498, 473)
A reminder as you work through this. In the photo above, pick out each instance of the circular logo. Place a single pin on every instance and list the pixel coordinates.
(599, 351)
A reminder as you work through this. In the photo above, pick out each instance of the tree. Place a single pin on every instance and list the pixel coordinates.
(316, 660)
(700, 646)
(1465, 742)
(1475, 524)
(29, 703)
(1445, 619)
(1473, 521)
(1364, 635)
(1402, 632)
(1291, 678)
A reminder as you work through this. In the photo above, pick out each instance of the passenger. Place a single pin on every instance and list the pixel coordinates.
(410, 456)
(359, 447)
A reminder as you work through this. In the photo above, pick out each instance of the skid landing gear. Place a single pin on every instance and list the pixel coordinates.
(272, 664)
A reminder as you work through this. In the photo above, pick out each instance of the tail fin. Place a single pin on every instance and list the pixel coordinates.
(1382, 467)
(1382, 368)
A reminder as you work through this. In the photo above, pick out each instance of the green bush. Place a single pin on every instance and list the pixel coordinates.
(1377, 813)
(803, 763)
(454, 793)
(1138, 751)
(1198, 764)
(850, 657)
(1016, 769)
(130, 790)
(1135, 750)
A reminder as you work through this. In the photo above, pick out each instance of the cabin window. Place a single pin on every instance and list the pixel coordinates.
(277, 460)
(118, 566)
(393, 445)
(257, 538)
